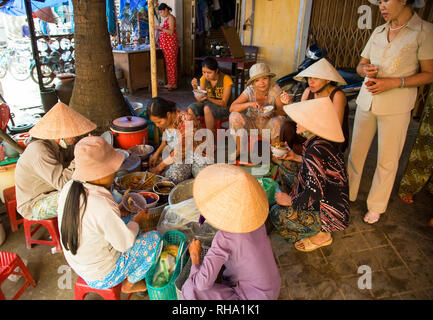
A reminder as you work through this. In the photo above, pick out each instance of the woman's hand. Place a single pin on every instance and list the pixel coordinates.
(283, 199)
(123, 212)
(370, 70)
(383, 84)
(195, 251)
(141, 215)
(158, 28)
(158, 169)
(292, 156)
(153, 160)
(194, 83)
(201, 99)
(285, 98)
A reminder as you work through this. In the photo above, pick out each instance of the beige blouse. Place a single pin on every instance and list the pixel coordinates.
(103, 234)
(40, 170)
(396, 59)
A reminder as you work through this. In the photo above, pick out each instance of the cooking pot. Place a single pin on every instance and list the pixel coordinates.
(129, 131)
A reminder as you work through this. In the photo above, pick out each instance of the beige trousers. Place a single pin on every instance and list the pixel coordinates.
(391, 135)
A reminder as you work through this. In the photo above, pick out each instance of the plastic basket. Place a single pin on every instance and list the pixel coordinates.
(168, 292)
(185, 269)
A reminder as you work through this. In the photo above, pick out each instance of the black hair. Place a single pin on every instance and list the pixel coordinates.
(410, 2)
(71, 220)
(210, 63)
(159, 107)
(163, 6)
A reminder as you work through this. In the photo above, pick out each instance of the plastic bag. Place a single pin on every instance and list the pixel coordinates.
(164, 270)
(184, 216)
(270, 187)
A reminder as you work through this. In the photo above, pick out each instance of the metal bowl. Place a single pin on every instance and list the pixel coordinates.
(267, 111)
(279, 152)
(183, 191)
(199, 93)
(142, 150)
(120, 181)
(163, 184)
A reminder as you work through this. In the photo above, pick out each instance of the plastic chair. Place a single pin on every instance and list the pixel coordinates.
(50, 225)
(8, 263)
(11, 207)
(82, 289)
(218, 122)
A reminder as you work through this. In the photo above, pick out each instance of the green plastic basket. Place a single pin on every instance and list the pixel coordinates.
(168, 292)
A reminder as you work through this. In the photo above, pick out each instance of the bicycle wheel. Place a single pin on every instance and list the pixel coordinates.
(20, 68)
(47, 76)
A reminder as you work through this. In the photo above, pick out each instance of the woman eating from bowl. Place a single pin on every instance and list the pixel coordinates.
(43, 168)
(177, 165)
(247, 109)
(233, 201)
(100, 247)
(323, 80)
(218, 87)
(319, 201)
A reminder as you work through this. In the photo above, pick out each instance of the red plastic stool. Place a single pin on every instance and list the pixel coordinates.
(82, 289)
(218, 122)
(52, 227)
(8, 263)
(11, 207)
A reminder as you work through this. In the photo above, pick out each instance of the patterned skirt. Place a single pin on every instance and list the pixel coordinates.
(46, 207)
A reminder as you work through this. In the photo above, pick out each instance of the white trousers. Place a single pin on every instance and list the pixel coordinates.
(391, 136)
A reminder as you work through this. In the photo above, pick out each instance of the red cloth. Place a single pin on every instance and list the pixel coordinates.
(168, 44)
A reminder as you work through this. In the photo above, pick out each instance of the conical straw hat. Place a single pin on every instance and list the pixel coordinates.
(317, 116)
(321, 69)
(230, 198)
(61, 122)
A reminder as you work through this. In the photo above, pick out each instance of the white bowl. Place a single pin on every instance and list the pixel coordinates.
(279, 152)
(267, 111)
(199, 93)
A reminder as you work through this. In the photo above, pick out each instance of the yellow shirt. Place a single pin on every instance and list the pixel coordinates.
(396, 59)
(227, 81)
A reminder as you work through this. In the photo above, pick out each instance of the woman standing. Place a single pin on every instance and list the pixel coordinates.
(43, 168)
(246, 109)
(177, 163)
(397, 59)
(98, 245)
(168, 44)
(219, 89)
(319, 202)
(233, 201)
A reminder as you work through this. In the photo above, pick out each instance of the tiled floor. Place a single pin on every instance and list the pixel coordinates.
(398, 250)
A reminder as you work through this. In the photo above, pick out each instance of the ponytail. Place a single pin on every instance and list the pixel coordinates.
(71, 220)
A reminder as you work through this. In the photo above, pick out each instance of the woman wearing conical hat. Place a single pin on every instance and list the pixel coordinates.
(233, 201)
(319, 200)
(323, 81)
(42, 170)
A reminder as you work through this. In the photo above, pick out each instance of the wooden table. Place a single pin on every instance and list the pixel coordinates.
(135, 65)
(238, 68)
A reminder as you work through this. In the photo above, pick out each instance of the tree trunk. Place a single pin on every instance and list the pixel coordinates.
(96, 93)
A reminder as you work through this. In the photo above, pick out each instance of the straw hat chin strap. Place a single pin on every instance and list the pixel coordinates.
(323, 88)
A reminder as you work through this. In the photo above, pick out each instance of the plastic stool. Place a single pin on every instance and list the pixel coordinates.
(11, 207)
(218, 122)
(50, 225)
(8, 263)
(82, 289)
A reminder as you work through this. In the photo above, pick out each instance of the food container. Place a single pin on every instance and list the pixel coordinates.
(142, 151)
(267, 111)
(22, 139)
(151, 199)
(199, 93)
(131, 163)
(108, 136)
(182, 192)
(130, 180)
(129, 131)
(163, 189)
(279, 152)
(134, 202)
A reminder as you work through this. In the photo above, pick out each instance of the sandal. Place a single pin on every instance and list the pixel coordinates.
(310, 246)
(407, 198)
(371, 217)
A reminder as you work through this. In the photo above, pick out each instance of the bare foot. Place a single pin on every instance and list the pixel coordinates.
(316, 240)
(129, 287)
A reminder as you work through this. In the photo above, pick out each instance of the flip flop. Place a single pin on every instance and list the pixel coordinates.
(310, 246)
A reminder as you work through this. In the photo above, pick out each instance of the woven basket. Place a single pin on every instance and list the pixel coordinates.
(168, 292)
(150, 224)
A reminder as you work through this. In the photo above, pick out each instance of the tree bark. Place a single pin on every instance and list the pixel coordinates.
(96, 93)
